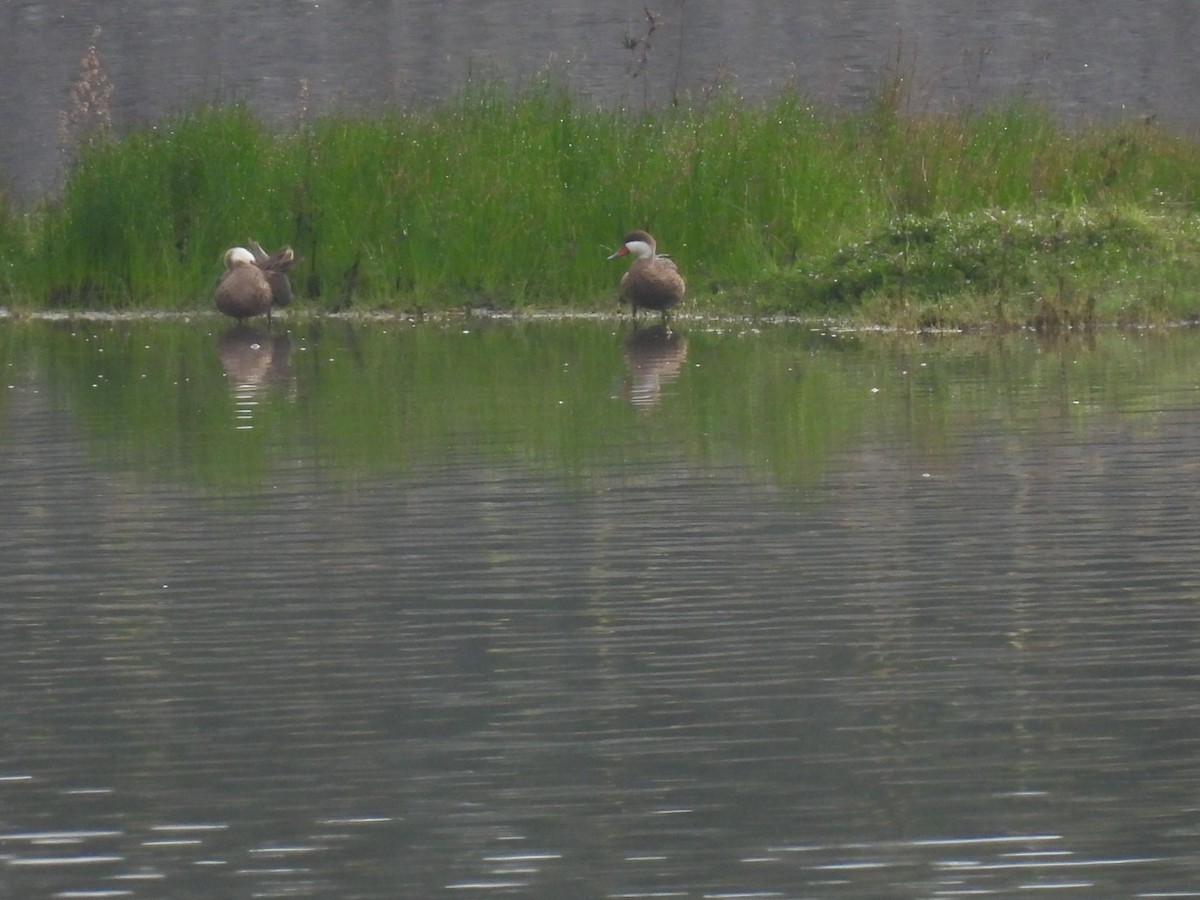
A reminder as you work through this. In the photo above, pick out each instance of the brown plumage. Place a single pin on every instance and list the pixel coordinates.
(276, 266)
(653, 281)
(254, 281)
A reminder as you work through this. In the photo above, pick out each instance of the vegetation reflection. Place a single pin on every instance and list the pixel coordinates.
(227, 408)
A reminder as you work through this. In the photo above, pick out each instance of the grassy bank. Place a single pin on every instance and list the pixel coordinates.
(513, 198)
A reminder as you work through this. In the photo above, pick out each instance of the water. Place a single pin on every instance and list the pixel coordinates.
(548, 609)
(1083, 58)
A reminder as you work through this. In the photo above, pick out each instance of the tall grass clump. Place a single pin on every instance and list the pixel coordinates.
(744, 190)
(502, 202)
(14, 246)
(513, 196)
(486, 199)
(141, 220)
(1006, 216)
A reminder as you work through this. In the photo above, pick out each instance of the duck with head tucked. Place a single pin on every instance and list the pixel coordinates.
(653, 281)
(254, 281)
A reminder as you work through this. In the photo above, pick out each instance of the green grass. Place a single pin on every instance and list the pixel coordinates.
(513, 198)
(1053, 267)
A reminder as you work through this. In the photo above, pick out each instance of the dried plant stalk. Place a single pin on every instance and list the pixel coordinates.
(89, 116)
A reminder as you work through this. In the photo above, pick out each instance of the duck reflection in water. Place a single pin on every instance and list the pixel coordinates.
(655, 357)
(254, 281)
(653, 281)
(253, 359)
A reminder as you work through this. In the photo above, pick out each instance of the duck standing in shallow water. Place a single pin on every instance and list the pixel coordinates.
(254, 281)
(653, 281)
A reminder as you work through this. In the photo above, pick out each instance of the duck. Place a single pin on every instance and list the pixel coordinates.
(653, 281)
(254, 281)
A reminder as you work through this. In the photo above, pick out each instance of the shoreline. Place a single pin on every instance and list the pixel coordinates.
(690, 321)
(511, 200)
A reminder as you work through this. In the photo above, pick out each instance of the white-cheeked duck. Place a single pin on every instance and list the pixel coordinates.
(254, 281)
(653, 281)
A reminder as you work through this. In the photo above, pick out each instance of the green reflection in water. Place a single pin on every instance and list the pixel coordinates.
(204, 404)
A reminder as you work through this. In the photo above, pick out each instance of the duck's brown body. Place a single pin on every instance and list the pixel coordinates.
(254, 281)
(653, 281)
(275, 266)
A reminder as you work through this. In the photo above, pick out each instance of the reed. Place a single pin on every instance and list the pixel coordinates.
(512, 197)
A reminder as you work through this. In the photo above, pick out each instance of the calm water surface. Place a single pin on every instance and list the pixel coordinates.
(555, 610)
